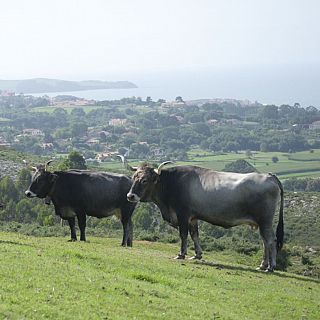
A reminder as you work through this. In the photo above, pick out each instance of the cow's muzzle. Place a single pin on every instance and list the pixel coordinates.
(30, 194)
(132, 197)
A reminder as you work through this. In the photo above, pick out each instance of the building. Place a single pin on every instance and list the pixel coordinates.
(117, 122)
(315, 125)
(33, 133)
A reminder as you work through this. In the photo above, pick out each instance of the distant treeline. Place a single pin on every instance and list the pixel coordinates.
(299, 184)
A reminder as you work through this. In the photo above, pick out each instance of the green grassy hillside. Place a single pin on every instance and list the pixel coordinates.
(50, 278)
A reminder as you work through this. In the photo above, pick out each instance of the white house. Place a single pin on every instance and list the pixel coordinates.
(315, 125)
(33, 132)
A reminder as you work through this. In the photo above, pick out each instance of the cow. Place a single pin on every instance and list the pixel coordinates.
(186, 194)
(78, 193)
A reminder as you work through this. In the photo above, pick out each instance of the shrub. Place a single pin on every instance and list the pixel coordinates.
(240, 166)
(283, 259)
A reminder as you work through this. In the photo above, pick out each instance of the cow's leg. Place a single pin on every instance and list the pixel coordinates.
(265, 262)
(194, 233)
(183, 231)
(270, 242)
(82, 222)
(72, 225)
(130, 236)
(126, 214)
(126, 229)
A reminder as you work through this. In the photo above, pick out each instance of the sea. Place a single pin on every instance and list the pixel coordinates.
(267, 86)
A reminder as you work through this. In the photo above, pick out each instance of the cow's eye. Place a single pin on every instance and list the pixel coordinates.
(144, 181)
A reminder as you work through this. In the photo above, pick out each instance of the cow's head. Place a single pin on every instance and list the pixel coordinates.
(42, 182)
(144, 180)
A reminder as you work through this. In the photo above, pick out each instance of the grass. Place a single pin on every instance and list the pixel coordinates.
(50, 109)
(49, 278)
(4, 119)
(286, 167)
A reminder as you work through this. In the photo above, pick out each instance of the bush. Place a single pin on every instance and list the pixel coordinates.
(283, 259)
(305, 260)
(240, 166)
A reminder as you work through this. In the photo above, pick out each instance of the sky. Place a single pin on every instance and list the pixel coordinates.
(131, 39)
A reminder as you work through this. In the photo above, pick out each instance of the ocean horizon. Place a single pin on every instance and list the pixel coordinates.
(286, 86)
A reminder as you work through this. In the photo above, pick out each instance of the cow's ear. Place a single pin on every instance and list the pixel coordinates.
(53, 177)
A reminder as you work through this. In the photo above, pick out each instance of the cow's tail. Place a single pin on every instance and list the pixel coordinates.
(280, 226)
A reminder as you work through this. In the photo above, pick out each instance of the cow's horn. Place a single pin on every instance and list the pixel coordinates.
(161, 165)
(47, 164)
(126, 164)
(34, 168)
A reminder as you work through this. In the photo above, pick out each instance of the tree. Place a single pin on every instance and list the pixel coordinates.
(24, 211)
(74, 161)
(143, 217)
(24, 179)
(270, 112)
(313, 185)
(78, 129)
(78, 112)
(8, 189)
(240, 166)
(179, 99)
(248, 153)
(275, 159)
(149, 100)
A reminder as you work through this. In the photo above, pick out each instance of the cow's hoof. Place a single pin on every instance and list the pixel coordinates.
(195, 257)
(262, 268)
(179, 257)
(269, 270)
(72, 240)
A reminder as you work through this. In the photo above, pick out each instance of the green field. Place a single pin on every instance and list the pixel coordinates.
(305, 166)
(50, 278)
(86, 109)
(50, 109)
(4, 119)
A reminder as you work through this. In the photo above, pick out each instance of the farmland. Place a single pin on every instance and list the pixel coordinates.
(299, 164)
(50, 109)
(51, 278)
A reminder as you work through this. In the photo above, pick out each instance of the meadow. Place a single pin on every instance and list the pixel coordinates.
(68, 108)
(299, 164)
(50, 278)
(85, 108)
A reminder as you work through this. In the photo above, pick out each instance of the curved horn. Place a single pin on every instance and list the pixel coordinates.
(126, 164)
(47, 164)
(161, 165)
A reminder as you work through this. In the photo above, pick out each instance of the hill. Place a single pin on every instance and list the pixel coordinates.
(51, 278)
(42, 85)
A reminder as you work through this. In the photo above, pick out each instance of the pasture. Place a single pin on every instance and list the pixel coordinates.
(86, 108)
(67, 108)
(299, 164)
(50, 278)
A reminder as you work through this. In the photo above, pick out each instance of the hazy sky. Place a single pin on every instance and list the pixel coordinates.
(117, 39)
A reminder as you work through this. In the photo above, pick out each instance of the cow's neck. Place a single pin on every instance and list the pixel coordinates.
(50, 195)
(159, 198)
